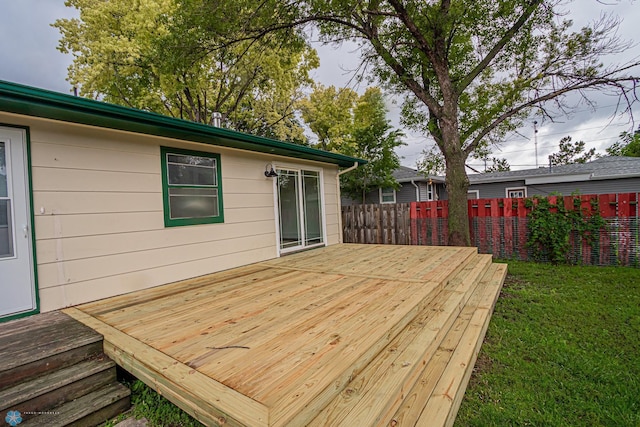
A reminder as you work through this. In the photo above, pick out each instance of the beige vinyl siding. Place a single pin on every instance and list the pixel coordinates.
(331, 205)
(99, 222)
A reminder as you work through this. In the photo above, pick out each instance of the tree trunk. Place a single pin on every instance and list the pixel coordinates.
(457, 184)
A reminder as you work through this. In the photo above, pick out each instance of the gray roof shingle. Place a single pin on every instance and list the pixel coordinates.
(405, 174)
(602, 168)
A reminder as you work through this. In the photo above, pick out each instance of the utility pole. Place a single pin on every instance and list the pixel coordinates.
(535, 139)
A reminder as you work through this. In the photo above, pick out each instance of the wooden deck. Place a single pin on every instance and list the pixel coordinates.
(344, 335)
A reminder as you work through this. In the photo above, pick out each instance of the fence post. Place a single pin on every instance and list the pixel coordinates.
(471, 214)
(522, 229)
(414, 222)
(507, 233)
(624, 231)
(607, 206)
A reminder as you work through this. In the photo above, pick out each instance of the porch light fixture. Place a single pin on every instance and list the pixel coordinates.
(269, 172)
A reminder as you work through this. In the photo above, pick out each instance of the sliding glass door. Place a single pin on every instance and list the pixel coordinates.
(300, 209)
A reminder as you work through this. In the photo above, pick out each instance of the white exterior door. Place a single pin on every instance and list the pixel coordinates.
(17, 285)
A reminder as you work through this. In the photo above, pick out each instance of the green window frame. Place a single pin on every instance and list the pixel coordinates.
(191, 187)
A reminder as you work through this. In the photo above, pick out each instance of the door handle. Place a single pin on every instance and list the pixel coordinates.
(25, 231)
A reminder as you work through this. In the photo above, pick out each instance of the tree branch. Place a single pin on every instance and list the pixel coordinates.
(497, 48)
(403, 15)
(600, 82)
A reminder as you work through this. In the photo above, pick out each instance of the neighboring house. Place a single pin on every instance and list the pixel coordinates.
(98, 200)
(601, 176)
(414, 187)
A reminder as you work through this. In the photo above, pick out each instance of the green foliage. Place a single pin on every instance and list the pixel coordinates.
(170, 57)
(356, 126)
(571, 152)
(373, 139)
(561, 350)
(156, 409)
(329, 113)
(628, 146)
(551, 226)
(498, 165)
(432, 162)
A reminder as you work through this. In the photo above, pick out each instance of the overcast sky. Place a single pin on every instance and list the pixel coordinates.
(29, 56)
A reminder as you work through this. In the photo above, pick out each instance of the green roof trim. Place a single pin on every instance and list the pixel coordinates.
(30, 101)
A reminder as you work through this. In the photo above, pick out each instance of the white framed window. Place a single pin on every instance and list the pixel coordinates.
(516, 192)
(387, 195)
(430, 192)
(473, 194)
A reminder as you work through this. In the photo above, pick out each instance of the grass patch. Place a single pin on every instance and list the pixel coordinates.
(156, 409)
(563, 348)
(147, 403)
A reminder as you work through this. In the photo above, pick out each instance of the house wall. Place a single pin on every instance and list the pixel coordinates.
(406, 193)
(99, 223)
(370, 198)
(625, 185)
(495, 189)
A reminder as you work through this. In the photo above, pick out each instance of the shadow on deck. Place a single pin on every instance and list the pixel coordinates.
(350, 335)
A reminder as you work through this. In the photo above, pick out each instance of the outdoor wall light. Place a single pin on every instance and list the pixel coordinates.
(269, 172)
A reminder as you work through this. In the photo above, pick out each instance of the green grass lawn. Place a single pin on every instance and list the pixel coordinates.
(562, 349)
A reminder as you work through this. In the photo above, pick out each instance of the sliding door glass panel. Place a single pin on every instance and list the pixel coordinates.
(289, 209)
(312, 208)
(4, 185)
(6, 229)
(6, 223)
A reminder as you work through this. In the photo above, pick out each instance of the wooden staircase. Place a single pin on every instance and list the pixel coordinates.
(53, 371)
(425, 369)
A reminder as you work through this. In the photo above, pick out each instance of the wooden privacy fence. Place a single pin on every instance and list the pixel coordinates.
(382, 224)
(499, 226)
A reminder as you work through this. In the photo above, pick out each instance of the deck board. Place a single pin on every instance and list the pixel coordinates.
(273, 343)
(373, 395)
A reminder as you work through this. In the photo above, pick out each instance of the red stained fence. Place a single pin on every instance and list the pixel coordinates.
(499, 227)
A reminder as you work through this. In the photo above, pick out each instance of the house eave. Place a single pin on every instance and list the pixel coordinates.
(422, 179)
(35, 102)
(617, 176)
(556, 179)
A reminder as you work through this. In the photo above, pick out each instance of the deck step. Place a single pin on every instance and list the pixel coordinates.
(41, 343)
(435, 398)
(54, 373)
(401, 363)
(341, 373)
(59, 386)
(87, 411)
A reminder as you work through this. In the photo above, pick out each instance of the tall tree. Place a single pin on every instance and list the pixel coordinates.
(571, 152)
(371, 138)
(166, 56)
(628, 145)
(328, 113)
(470, 70)
(357, 126)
